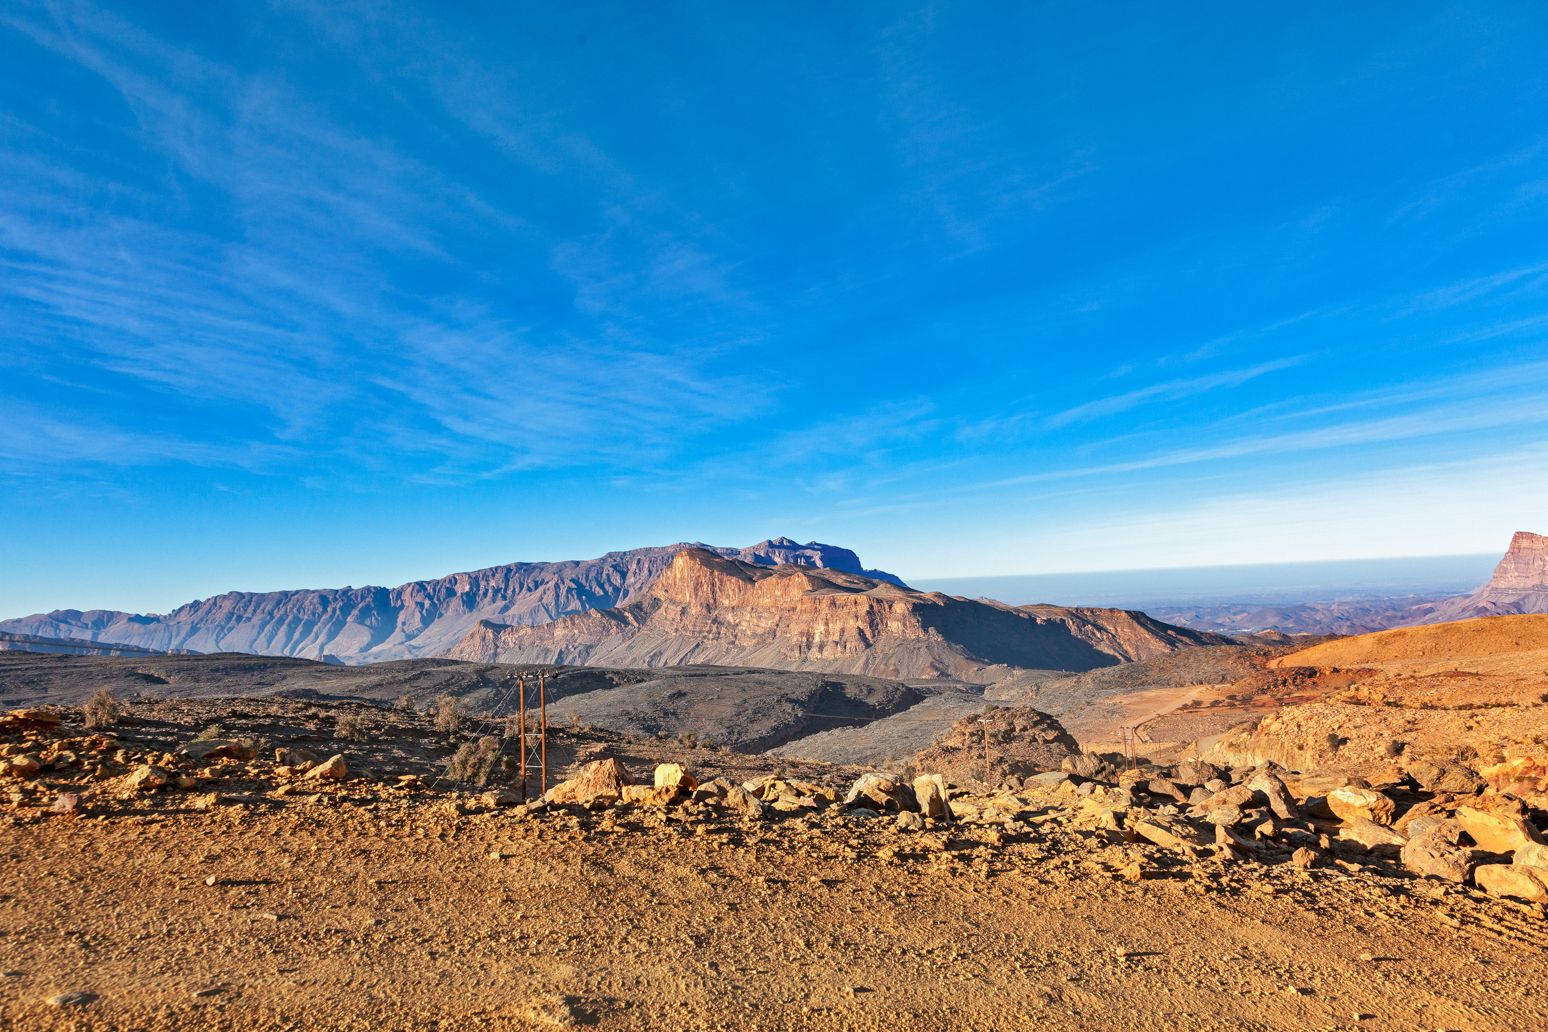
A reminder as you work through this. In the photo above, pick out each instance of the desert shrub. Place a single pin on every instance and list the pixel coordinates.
(1395, 748)
(688, 740)
(477, 762)
(1334, 741)
(101, 710)
(213, 731)
(405, 703)
(450, 714)
(351, 727)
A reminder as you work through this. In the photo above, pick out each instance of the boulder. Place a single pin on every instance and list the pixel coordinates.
(1351, 803)
(218, 749)
(930, 794)
(649, 795)
(146, 778)
(1434, 855)
(1089, 766)
(1448, 778)
(881, 793)
(331, 769)
(738, 800)
(1167, 834)
(1421, 817)
(1165, 788)
(598, 781)
(1304, 857)
(23, 766)
(711, 791)
(1518, 881)
(672, 776)
(1278, 796)
(19, 720)
(1498, 830)
(1047, 781)
(1370, 834)
(1532, 854)
(1195, 773)
(292, 756)
(1224, 816)
(1239, 796)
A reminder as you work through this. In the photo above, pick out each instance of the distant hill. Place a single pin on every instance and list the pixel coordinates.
(421, 618)
(744, 709)
(13, 642)
(707, 608)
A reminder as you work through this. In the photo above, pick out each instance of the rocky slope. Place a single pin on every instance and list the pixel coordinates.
(421, 618)
(1470, 692)
(706, 608)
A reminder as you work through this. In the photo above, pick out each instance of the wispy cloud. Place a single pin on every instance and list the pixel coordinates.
(306, 306)
(1170, 390)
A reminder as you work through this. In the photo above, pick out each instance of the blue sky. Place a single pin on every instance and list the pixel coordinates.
(313, 294)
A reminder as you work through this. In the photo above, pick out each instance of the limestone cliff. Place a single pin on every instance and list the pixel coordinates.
(712, 609)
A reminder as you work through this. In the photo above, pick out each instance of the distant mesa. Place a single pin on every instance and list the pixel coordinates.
(1519, 585)
(713, 609)
(418, 619)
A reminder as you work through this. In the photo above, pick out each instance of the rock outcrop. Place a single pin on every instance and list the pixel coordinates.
(421, 618)
(1002, 742)
(710, 609)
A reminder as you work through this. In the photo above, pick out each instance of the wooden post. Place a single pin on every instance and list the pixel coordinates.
(543, 726)
(521, 707)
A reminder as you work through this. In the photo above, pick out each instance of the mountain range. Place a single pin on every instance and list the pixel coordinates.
(712, 609)
(420, 618)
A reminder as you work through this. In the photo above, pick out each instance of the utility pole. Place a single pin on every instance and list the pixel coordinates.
(984, 721)
(521, 707)
(543, 727)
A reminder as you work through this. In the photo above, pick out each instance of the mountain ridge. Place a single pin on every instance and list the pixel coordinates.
(414, 619)
(711, 609)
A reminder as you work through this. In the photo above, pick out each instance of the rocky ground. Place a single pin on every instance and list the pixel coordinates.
(161, 874)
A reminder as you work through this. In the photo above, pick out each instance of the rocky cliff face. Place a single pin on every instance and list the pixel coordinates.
(421, 618)
(712, 609)
(1525, 566)
(1519, 585)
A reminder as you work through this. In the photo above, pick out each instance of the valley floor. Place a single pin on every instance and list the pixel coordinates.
(382, 912)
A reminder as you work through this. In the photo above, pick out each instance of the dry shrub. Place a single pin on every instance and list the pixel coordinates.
(102, 709)
(450, 714)
(478, 762)
(406, 703)
(351, 727)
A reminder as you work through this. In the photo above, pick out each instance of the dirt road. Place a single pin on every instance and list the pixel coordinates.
(405, 914)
